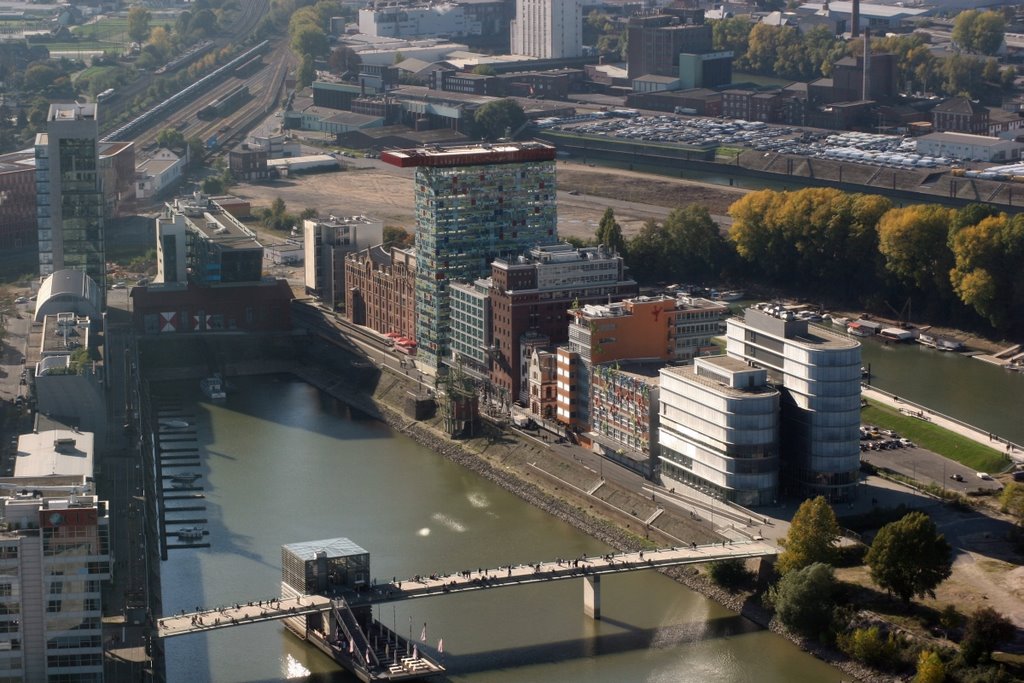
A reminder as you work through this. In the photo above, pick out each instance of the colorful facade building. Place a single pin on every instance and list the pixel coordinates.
(624, 414)
(474, 203)
(381, 292)
(542, 383)
(719, 429)
(818, 372)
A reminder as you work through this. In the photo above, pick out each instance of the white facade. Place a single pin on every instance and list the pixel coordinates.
(326, 241)
(548, 29)
(155, 175)
(719, 429)
(968, 147)
(171, 260)
(54, 558)
(819, 373)
(428, 21)
(471, 322)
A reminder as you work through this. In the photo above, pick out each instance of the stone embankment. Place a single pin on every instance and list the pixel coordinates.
(385, 404)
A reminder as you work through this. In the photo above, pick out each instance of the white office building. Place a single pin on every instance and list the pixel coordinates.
(426, 21)
(54, 556)
(548, 29)
(719, 429)
(818, 372)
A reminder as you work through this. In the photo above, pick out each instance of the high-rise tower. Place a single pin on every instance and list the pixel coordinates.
(548, 29)
(473, 203)
(69, 193)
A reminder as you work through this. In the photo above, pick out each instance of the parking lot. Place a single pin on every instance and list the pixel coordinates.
(889, 151)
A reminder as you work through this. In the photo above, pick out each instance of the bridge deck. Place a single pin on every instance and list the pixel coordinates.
(479, 579)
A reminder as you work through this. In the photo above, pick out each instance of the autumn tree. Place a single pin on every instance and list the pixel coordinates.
(987, 274)
(812, 537)
(930, 668)
(1011, 501)
(910, 557)
(397, 236)
(732, 33)
(609, 232)
(138, 23)
(914, 244)
(803, 599)
(499, 118)
(984, 631)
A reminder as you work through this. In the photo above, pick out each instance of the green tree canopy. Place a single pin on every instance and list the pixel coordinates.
(687, 246)
(803, 599)
(170, 138)
(397, 236)
(138, 23)
(909, 557)
(985, 631)
(979, 31)
(811, 538)
(305, 73)
(344, 60)
(309, 40)
(499, 118)
(609, 232)
(484, 70)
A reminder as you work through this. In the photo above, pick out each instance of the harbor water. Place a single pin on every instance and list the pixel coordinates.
(282, 462)
(978, 393)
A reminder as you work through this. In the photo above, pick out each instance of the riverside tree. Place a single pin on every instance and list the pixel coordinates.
(909, 557)
(985, 630)
(812, 537)
(803, 600)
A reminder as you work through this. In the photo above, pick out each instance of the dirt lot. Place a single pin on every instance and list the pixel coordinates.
(385, 192)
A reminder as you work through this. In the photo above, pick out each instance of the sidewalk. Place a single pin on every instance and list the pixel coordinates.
(1014, 451)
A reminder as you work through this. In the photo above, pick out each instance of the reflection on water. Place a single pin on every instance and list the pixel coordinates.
(283, 463)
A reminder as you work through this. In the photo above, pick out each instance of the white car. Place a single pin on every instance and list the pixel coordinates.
(21, 300)
(984, 475)
(117, 285)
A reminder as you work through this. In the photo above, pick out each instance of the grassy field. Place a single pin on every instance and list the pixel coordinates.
(112, 29)
(927, 435)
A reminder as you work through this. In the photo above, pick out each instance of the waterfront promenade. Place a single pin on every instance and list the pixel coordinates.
(1013, 451)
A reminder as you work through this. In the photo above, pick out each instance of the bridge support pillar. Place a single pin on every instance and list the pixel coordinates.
(592, 596)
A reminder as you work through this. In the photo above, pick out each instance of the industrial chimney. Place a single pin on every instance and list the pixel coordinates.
(866, 62)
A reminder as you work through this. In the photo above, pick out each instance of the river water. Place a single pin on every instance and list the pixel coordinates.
(283, 463)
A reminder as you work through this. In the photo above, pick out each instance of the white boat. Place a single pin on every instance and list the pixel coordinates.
(213, 388)
(191, 533)
(730, 296)
(174, 424)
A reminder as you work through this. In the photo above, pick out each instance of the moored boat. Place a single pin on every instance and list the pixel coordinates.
(191, 533)
(213, 388)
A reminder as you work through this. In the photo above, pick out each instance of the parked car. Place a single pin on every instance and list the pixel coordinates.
(956, 477)
(984, 475)
(21, 300)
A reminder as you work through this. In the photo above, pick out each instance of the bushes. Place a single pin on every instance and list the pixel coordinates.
(867, 645)
(730, 574)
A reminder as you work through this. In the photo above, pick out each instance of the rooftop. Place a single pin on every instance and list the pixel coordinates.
(471, 155)
(63, 333)
(963, 139)
(334, 547)
(71, 112)
(688, 373)
(54, 452)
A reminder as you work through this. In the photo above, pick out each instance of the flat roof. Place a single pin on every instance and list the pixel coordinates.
(470, 155)
(334, 547)
(965, 139)
(867, 9)
(38, 457)
(688, 373)
(224, 230)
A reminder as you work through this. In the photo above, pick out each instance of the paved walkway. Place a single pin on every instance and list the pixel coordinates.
(965, 430)
(438, 584)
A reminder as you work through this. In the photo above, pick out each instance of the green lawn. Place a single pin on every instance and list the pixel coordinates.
(110, 29)
(944, 442)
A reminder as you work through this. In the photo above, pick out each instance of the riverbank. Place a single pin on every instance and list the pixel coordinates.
(512, 464)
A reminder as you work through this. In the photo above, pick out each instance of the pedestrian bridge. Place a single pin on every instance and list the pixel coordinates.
(590, 569)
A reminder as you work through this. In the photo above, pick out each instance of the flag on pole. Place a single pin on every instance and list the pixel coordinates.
(440, 646)
(423, 633)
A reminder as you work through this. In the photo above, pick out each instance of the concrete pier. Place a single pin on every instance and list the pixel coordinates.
(592, 596)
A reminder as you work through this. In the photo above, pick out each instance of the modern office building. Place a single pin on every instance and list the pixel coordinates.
(471, 326)
(380, 290)
(17, 201)
(327, 241)
(530, 295)
(474, 203)
(69, 193)
(818, 373)
(719, 429)
(54, 557)
(418, 21)
(548, 29)
(656, 41)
